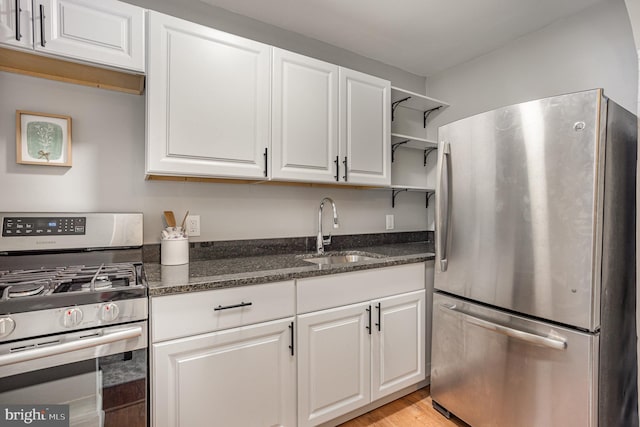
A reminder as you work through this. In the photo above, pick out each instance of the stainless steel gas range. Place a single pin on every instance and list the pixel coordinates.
(73, 317)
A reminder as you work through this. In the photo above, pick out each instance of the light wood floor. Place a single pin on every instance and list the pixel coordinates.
(413, 410)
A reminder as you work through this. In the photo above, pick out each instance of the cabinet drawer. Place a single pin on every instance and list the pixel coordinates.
(175, 316)
(318, 293)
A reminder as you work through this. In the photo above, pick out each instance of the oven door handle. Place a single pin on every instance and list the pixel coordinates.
(67, 347)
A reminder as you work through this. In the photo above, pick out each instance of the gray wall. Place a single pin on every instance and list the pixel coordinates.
(591, 49)
(108, 156)
(224, 20)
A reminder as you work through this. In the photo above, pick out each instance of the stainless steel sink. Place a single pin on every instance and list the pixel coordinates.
(342, 258)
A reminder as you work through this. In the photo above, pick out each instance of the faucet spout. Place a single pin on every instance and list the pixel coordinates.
(321, 241)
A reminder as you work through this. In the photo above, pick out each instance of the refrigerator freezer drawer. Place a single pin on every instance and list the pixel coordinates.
(491, 368)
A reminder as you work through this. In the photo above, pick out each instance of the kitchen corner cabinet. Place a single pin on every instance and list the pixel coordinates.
(353, 354)
(107, 32)
(329, 123)
(208, 101)
(414, 156)
(224, 357)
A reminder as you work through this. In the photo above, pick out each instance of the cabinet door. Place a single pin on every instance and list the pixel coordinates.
(365, 133)
(305, 118)
(398, 343)
(237, 377)
(208, 101)
(107, 32)
(16, 28)
(333, 363)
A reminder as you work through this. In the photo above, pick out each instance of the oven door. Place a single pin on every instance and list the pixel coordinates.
(100, 373)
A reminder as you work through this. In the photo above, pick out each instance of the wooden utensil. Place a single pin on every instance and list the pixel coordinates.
(184, 220)
(170, 218)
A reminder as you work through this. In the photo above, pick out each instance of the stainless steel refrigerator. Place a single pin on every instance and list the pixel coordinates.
(534, 307)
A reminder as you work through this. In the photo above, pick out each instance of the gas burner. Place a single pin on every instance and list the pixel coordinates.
(25, 290)
(99, 284)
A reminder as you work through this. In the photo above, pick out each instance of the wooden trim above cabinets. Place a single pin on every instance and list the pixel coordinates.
(15, 61)
(247, 181)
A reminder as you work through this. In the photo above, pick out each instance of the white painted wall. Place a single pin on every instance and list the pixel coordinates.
(108, 175)
(591, 49)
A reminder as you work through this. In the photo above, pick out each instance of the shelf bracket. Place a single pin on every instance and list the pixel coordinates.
(426, 115)
(429, 194)
(394, 105)
(427, 151)
(394, 147)
(394, 193)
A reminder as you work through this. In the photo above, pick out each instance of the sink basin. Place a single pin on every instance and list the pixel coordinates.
(341, 258)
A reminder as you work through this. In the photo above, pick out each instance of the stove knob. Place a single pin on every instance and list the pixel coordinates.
(72, 317)
(109, 312)
(7, 325)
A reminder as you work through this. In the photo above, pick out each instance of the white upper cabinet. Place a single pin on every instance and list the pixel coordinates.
(329, 124)
(365, 147)
(208, 101)
(16, 28)
(105, 32)
(304, 118)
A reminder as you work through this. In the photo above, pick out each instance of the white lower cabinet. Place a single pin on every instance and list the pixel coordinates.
(224, 357)
(352, 355)
(238, 377)
(398, 343)
(333, 363)
(241, 357)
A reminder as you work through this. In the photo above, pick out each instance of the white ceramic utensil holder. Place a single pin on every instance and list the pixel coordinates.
(174, 251)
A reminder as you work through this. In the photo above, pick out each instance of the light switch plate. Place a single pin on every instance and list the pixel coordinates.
(193, 225)
(390, 224)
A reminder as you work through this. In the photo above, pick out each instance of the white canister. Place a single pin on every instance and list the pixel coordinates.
(174, 251)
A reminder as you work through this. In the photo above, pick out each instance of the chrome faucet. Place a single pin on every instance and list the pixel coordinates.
(321, 241)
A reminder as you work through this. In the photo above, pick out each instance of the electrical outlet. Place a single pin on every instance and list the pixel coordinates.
(389, 219)
(193, 225)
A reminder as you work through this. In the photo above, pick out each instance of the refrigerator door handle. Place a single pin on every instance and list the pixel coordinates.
(442, 204)
(556, 343)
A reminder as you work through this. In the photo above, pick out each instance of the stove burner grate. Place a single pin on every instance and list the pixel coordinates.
(80, 278)
(25, 290)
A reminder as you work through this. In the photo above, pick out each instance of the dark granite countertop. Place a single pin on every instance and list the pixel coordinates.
(204, 275)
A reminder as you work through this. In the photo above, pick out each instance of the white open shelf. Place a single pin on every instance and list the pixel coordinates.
(412, 188)
(416, 101)
(414, 141)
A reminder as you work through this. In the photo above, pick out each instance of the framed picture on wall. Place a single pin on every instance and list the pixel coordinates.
(43, 139)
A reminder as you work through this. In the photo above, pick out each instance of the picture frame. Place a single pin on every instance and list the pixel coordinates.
(43, 139)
